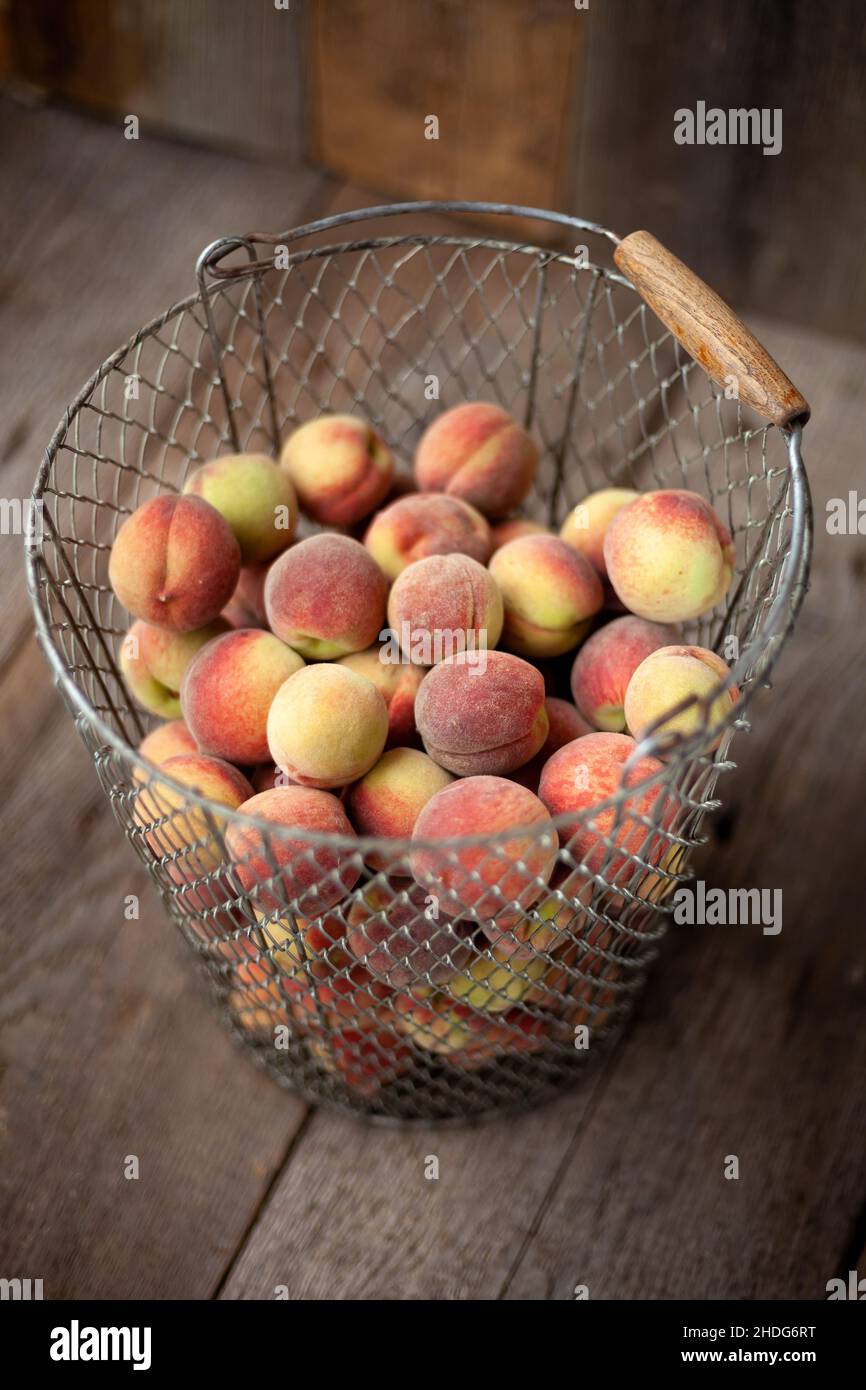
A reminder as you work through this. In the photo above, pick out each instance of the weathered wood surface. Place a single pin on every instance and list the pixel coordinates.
(745, 1044)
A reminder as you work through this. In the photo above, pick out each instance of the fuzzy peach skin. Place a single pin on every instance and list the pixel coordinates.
(395, 934)
(668, 556)
(246, 607)
(398, 683)
(479, 880)
(565, 723)
(287, 871)
(185, 826)
(588, 771)
(175, 562)
(494, 986)
(327, 726)
(546, 925)
(515, 529)
(256, 497)
(326, 597)
(341, 468)
(606, 663)
(154, 661)
(669, 675)
(444, 604)
(478, 452)
(295, 943)
(164, 742)
(549, 593)
(228, 689)
(586, 525)
(389, 799)
(426, 523)
(475, 719)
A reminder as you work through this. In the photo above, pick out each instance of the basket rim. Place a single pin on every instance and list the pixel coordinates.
(774, 629)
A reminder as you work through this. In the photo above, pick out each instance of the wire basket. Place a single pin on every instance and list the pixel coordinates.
(422, 980)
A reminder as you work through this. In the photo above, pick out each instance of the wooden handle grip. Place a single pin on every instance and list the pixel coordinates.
(708, 329)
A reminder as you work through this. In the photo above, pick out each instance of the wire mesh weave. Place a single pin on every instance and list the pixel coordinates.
(449, 979)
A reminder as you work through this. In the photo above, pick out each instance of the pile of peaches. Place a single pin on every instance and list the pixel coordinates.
(428, 667)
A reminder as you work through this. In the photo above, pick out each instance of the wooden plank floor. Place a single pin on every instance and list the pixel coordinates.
(744, 1044)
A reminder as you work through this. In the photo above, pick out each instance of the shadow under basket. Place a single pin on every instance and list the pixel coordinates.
(418, 981)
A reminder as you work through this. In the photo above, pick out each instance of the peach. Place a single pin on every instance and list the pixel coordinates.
(246, 607)
(164, 742)
(314, 944)
(497, 984)
(586, 525)
(668, 556)
(292, 870)
(589, 771)
(174, 562)
(365, 1060)
(437, 1024)
(481, 878)
(154, 660)
(443, 605)
(478, 452)
(669, 675)
(397, 681)
(326, 597)
(546, 925)
(476, 718)
(516, 1031)
(256, 498)
(513, 530)
(327, 726)
(397, 935)
(389, 799)
(423, 524)
(228, 689)
(549, 592)
(565, 723)
(341, 468)
(606, 663)
(173, 826)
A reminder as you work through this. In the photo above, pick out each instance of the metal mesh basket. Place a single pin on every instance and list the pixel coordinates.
(449, 979)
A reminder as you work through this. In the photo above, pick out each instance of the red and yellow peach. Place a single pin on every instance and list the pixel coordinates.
(549, 592)
(256, 498)
(326, 597)
(341, 468)
(228, 690)
(478, 452)
(482, 716)
(424, 524)
(606, 663)
(668, 556)
(327, 726)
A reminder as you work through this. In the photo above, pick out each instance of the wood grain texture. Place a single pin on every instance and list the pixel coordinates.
(214, 72)
(380, 71)
(709, 329)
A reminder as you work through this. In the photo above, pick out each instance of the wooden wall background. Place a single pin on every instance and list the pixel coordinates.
(538, 102)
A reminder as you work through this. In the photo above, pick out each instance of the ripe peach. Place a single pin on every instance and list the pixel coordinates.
(389, 799)
(587, 772)
(296, 943)
(294, 872)
(586, 525)
(437, 1024)
(549, 591)
(366, 1060)
(256, 498)
(397, 681)
(668, 556)
(478, 452)
(341, 468)
(423, 524)
(515, 529)
(326, 597)
(327, 726)
(401, 937)
(565, 723)
(154, 660)
(228, 689)
(606, 663)
(481, 879)
(164, 742)
(497, 984)
(669, 675)
(443, 605)
(173, 826)
(174, 562)
(514, 1032)
(488, 718)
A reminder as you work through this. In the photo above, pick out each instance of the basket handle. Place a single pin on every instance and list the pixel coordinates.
(709, 330)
